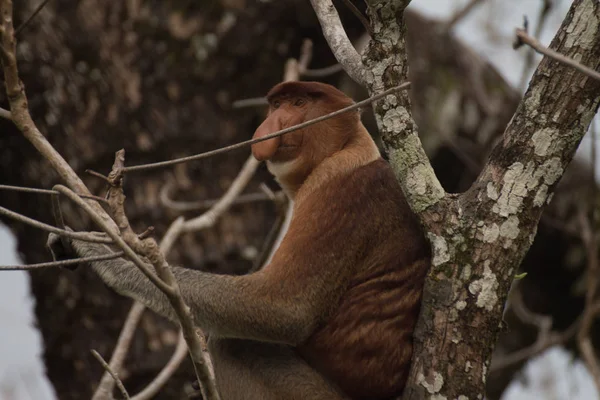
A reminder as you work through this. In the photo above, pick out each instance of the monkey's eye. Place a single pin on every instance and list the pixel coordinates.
(276, 104)
(299, 102)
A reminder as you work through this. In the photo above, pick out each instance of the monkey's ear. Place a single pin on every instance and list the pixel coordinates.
(61, 249)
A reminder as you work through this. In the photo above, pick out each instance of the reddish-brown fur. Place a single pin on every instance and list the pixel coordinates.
(336, 307)
(353, 234)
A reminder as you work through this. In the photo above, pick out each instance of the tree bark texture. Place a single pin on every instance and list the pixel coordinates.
(479, 238)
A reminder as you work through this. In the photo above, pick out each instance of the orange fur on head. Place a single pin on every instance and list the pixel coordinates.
(293, 156)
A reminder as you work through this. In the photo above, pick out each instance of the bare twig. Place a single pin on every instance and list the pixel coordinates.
(306, 53)
(129, 253)
(85, 236)
(162, 276)
(5, 114)
(523, 38)
(31, 17)
(338, 41)
(112, 373)
(182, 206)
(545, 8)
(546, 337)
(323, 72)
(252, 102)
(461, 14)
(240, 182)
(105, 387)
(590, 241)
(166, 373)
(363, 20)
(277, 230)
(48, 191)
(226, 149)
(62, 263)
(106, 384)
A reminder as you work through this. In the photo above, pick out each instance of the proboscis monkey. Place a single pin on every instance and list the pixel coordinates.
(332, 315)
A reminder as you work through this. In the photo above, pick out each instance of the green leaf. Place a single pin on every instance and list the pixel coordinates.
(520, 276)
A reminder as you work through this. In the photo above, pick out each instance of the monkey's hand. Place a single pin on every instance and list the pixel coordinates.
(62, 248)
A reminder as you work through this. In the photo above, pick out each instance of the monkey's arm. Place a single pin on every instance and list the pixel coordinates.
(222, 305)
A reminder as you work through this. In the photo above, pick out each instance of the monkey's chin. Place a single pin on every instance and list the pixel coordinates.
(281, 168)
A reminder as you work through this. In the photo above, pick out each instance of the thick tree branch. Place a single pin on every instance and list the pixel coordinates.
(386, 58)
(479, 238)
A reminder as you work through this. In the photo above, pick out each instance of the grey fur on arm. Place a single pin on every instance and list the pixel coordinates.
(222, 305)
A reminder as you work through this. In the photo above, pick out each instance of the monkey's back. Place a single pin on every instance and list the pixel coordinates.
(365, 346)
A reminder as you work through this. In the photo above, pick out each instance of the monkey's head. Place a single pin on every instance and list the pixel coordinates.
(293, 156)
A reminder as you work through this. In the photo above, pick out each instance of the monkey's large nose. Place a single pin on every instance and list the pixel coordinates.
(266, 149)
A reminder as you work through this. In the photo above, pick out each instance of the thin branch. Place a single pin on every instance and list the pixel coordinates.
(162, 276)
(48, 191)
(106, 385)
(338, 41)
(183, 206)
(63, 263)
(85, 236)
(112, 373)
(284, 207)
(523, 38)
(166, 373)
(245, 143)
(252, 102)
(306, 54)
(240, 182)
(529, 56)
(323, 72)
(363, 20)
(4, 113)
(461, 14)
(590, 311)
(129, 253)
(31, 17)
(546, 337)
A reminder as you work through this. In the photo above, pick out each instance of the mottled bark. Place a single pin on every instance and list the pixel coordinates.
(479, 238)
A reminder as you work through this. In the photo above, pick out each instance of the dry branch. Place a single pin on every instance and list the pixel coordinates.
(546, 338)
(63, 263)
(338, 41)
(590, 311)
(107, 382)
(166, 373)
(112, 373)
(546, 7)
(130, 243)
(522, 37)
(85, 236)
(355, 106)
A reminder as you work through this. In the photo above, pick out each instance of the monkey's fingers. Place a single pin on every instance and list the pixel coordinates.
(59, 252)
